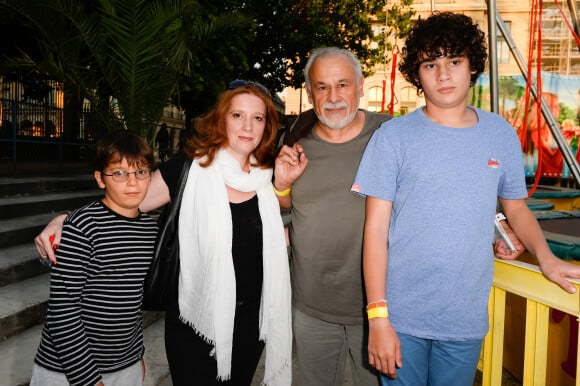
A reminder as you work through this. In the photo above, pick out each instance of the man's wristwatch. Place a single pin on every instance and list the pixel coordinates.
(500, 217)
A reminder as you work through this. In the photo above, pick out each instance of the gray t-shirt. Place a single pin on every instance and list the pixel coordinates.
(327, 229)
(443, 183)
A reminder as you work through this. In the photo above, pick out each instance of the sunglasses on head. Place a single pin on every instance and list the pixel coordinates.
(241, 83)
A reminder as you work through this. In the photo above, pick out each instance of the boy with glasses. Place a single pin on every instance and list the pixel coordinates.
(93, 333)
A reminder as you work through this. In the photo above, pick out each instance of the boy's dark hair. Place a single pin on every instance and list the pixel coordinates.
(443, 34)
(115, 146)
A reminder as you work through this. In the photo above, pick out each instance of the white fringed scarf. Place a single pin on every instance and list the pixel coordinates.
(207, 288)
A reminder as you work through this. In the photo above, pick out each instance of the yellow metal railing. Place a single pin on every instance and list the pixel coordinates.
(541, 295)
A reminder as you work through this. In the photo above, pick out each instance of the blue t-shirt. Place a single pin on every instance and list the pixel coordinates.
(443, 183)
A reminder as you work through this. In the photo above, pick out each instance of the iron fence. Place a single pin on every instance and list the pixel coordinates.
(33, 132)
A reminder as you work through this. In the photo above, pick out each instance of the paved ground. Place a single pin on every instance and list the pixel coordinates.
(507, 379)
(158, 373)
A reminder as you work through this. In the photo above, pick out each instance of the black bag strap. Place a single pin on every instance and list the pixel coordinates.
(181, 184)
(174, 206)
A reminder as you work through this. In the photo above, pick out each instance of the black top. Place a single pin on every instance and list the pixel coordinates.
(246, 237)
(247, 250)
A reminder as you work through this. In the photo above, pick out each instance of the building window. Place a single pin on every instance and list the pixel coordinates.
(503, 51)
(408, 100)
(375, 99)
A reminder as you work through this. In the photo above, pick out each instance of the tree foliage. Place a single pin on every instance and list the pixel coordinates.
(125, 56)
(397, 19)
(130, 57)
(288, 30)
(284, 32)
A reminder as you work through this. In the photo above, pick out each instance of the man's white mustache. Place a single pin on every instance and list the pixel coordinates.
(332, 106)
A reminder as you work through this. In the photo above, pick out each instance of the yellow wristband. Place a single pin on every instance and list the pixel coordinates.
(378, 312)
(282, 193)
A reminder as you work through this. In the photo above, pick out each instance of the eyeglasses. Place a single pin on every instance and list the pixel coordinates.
(240, 83)
(122, 176)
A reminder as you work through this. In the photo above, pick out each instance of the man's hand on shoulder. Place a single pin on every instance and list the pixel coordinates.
(290, 164)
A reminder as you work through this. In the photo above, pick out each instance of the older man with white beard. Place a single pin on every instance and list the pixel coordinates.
(313, 178)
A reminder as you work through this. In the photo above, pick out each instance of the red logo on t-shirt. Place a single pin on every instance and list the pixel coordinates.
(492, 163)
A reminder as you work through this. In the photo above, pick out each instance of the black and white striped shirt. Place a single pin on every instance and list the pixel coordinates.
(93, 323)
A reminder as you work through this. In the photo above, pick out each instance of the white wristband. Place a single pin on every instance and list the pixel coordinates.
(500, 216)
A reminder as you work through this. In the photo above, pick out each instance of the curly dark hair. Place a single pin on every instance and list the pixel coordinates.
(443, 34)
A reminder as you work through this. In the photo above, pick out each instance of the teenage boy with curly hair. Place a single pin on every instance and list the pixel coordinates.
(429, 214)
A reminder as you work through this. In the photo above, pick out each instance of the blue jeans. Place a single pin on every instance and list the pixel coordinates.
(436, 362)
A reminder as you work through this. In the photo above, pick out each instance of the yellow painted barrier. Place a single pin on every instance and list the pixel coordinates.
(565, 203)
(539, 364)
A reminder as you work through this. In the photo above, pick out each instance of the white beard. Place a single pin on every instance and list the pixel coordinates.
(342, 123)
